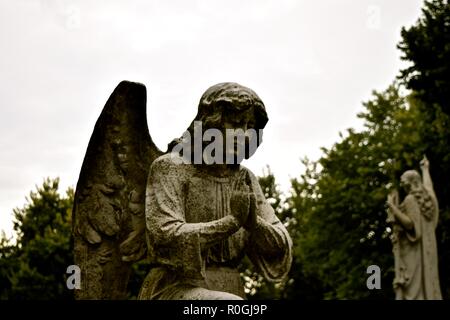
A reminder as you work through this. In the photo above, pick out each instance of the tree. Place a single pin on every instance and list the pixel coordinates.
(340, 199)
(35, 266)
(426, 46)
(296, 285)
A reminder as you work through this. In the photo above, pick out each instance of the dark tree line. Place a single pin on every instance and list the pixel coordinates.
(335, 211)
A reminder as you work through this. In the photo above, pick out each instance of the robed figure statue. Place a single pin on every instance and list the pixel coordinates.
(414, 240)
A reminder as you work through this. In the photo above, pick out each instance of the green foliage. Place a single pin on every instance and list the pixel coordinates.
(340, 201)
(35, 266)
(335, 211)
(296, 285)
(426, 45)
(139, 271)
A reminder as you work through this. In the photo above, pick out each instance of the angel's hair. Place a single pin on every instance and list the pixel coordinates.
(226, 98)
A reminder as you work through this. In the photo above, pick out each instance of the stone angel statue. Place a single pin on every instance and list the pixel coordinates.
(413, 238)
(193, 211)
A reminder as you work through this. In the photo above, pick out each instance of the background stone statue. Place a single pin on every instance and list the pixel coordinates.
(196, 222)
(414, 241)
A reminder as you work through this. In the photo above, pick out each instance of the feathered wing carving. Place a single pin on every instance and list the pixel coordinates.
(108, 215)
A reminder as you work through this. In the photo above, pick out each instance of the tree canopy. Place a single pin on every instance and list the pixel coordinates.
(34, 267)
(339, 200)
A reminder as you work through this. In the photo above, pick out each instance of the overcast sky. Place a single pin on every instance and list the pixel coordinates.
(311, 62)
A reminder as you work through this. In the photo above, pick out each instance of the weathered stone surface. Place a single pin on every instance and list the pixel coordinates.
(200, 219)
(414, 241)
(108, 213)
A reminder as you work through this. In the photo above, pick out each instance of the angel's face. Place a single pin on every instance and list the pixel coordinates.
(239, 122)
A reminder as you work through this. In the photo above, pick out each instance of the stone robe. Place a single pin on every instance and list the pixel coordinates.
(418, 260)
(195, 244)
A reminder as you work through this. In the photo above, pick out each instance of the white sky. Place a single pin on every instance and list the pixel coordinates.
(311, 62)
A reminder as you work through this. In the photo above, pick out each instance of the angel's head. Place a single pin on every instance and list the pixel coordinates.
(232, 105)
(228, 107)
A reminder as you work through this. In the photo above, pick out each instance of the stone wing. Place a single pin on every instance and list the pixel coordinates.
(108, 215)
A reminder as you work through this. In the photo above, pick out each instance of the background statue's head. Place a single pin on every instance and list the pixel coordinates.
(411, 180)
(229, 105)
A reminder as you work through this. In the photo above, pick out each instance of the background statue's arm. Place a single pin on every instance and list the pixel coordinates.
(428, 185)
(410, 218)
(402, 218)
(426, 177)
